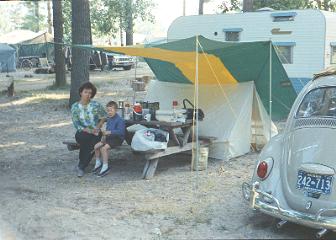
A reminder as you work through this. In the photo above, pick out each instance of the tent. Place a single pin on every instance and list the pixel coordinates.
(26, 37)
(7, 58)
(17, 36)
(28, 43)
(37, 49)
(40, 37)
(236, 124)
(40, 45)
(240, 86)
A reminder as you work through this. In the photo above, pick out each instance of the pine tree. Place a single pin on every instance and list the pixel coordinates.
(58, 38)
(81, 29)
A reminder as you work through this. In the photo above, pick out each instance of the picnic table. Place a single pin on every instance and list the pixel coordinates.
(177, 142)
(169, 127)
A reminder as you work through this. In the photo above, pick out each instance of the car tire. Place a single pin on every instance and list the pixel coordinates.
(26, 65)
(127, 68)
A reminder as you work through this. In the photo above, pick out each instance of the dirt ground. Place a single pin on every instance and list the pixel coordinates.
(41, 197)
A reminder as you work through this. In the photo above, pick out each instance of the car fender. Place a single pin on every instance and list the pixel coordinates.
(273, 149)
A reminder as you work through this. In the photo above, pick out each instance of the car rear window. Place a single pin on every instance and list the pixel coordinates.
(320, 102)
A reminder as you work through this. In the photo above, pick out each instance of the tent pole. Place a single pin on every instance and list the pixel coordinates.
(270, 88)
(196, 105)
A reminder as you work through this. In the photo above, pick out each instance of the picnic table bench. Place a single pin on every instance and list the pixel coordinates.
(177, 143)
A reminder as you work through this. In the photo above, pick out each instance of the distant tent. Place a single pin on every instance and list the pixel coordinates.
(37, 49)
(40, 46)
(7, 58)
(30, 44)
(17, 36)
(42, 37)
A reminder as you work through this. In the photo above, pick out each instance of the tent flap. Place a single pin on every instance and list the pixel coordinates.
(228, 114)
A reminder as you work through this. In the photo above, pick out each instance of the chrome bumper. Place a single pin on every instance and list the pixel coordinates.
(270, 205)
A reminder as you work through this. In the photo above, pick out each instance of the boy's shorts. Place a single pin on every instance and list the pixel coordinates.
(113, 141)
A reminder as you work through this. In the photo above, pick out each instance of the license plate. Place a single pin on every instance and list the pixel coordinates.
(314, 182)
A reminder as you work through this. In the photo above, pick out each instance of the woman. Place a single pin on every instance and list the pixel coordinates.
(88, 117)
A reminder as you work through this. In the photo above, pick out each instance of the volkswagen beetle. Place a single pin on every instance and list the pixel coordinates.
(294, 177)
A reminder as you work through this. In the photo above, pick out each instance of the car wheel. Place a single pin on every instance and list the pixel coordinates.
(26, 65)
(127, 68)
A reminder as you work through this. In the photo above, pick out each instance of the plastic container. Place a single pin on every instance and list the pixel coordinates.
(121, 104)
(137, 112)
(127, 112)
(202, 162)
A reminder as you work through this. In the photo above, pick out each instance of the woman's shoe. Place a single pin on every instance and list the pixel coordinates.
(80, 172)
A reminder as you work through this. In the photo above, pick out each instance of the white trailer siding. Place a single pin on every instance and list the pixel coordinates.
(330, 35)
(307, 33)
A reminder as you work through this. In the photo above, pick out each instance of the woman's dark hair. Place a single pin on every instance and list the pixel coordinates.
(88, 85)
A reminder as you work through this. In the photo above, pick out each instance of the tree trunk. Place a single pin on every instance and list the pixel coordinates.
(319, 4)
(49, 17)
(58, 38)
(129, 31)
(129, 23)
(200, 7)
(37, 16)
(80, 57)
(247, 5)
(121, 32)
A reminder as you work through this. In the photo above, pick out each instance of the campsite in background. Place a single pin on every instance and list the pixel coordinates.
(222, 101)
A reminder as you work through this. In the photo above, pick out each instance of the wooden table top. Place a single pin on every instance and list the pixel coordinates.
(160, 123)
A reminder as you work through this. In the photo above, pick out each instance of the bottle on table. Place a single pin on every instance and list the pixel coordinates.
(175, 103)
(127, 111)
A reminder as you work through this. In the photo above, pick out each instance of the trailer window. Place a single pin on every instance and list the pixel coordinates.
(333, 55)
(232, 36)
(283, 16)
(285, 54)
(283, 19)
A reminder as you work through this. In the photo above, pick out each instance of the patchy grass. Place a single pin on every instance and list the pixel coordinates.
(54, 87)
(38, 97)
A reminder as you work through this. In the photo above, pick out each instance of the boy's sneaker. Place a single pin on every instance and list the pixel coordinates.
(96, 170)
(102, 174)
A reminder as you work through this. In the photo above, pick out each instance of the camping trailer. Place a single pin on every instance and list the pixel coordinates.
(305, 39)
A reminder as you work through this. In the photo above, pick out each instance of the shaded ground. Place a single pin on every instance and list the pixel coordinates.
(41, 198)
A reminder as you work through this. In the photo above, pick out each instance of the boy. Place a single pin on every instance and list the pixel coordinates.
(115, 134)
